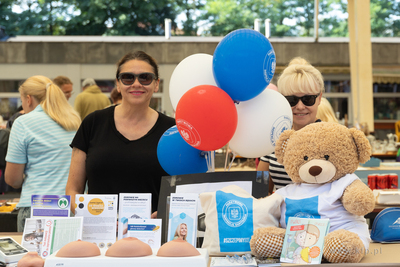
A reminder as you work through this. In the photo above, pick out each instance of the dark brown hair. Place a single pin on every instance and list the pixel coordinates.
(138, 55)
(61, 80)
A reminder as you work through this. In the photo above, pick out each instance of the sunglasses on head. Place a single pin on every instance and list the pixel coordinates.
(144, 78)
(307, 100)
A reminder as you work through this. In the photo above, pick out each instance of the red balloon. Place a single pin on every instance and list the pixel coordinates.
(206, 117)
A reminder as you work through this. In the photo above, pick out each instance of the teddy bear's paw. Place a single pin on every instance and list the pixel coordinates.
(343, 246)
(267, 242)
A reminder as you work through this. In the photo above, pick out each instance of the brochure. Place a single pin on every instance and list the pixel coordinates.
(50, 206)
(100, 218)
(183, 217)
(304, 240)
(146, 230)
(132, 206)
(47, 235)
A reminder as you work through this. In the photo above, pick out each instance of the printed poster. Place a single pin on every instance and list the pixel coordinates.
(183, 217)
(146, 230)
(132, 206)
(100, 218)
(47, 235)
(50, 206)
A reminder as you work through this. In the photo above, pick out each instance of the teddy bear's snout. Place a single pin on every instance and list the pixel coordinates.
(315, 170)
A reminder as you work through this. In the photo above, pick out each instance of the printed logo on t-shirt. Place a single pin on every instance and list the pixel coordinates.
(302, 208)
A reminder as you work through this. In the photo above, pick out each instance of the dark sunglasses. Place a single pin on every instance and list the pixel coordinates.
(308, 100)
(144, 78)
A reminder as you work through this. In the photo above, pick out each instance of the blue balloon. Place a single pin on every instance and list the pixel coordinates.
(244, 64)
(177, 157)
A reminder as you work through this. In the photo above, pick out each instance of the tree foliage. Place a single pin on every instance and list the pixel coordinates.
(214, 17)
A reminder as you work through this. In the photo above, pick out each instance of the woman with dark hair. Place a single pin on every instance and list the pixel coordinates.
(115, 149)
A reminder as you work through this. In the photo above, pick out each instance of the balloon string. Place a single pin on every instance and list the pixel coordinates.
(226, 156)
(208, 165)
(233, 159)
(208, 159)
(213, 161)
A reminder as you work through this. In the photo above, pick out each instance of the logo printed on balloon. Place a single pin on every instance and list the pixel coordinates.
(189, 133)
(280, 125)
(269, 60)
(171, 131)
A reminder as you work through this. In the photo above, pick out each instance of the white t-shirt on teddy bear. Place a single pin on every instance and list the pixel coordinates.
(323, 201)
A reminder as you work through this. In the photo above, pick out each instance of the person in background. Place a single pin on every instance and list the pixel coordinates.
(20, 111)
(65, 85)
(115, 149)
(116, 96)
(302, 85)
(38, 155)
(91, 99)
(325, 111)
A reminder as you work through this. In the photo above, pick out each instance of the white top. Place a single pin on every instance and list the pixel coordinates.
(323, 201)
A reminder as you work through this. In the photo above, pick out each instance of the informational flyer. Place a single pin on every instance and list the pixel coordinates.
(132, 206)
(146, 230)
(50, 206)
(47, 235)
(183, 217)
(100, 218)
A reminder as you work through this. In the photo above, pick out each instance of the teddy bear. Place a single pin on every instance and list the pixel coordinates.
(321, 159)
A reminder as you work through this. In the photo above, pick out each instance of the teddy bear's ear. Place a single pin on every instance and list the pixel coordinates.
(362, 144)
(281, 145)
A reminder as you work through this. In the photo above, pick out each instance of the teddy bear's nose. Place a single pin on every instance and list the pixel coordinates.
(315, 170)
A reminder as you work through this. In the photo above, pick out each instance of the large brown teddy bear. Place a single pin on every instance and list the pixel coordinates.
(321, 159)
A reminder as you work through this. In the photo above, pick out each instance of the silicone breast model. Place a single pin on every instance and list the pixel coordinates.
(31, 259)
(129, 247)
(78, 249)
(177, 248)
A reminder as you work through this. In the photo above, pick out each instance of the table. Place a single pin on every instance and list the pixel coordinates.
(383, 156)
(384, 254)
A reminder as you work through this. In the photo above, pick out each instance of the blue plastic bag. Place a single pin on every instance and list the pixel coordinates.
(386, 226)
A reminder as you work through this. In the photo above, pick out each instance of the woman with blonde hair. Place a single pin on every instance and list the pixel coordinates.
(302, 85)
(181, 231)
(325, 111)
(39, 143)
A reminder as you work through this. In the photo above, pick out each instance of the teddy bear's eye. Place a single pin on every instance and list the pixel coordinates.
(305, 158)
(326, 157)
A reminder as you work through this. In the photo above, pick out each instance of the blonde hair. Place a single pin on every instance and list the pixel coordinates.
(300, 77)
(52, 100)
(325, 111)
(178, 231)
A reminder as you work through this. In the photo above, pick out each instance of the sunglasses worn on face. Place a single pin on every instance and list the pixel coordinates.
(128, 78)
(307, 100)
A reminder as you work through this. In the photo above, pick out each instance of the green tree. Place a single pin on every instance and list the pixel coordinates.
(125, 17)
(225, 16)
(333, 18)
(190, 8)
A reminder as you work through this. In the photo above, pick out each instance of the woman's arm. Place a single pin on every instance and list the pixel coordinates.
(14, 175)
(77, 175)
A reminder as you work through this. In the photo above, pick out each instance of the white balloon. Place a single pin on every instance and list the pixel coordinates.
(192, 71)
(261, 120)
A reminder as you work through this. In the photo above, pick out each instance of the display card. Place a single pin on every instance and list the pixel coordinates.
(100, 218)
(183, 217)
(50, 206)
(146, 230)
(132, 206)
(47, 235)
